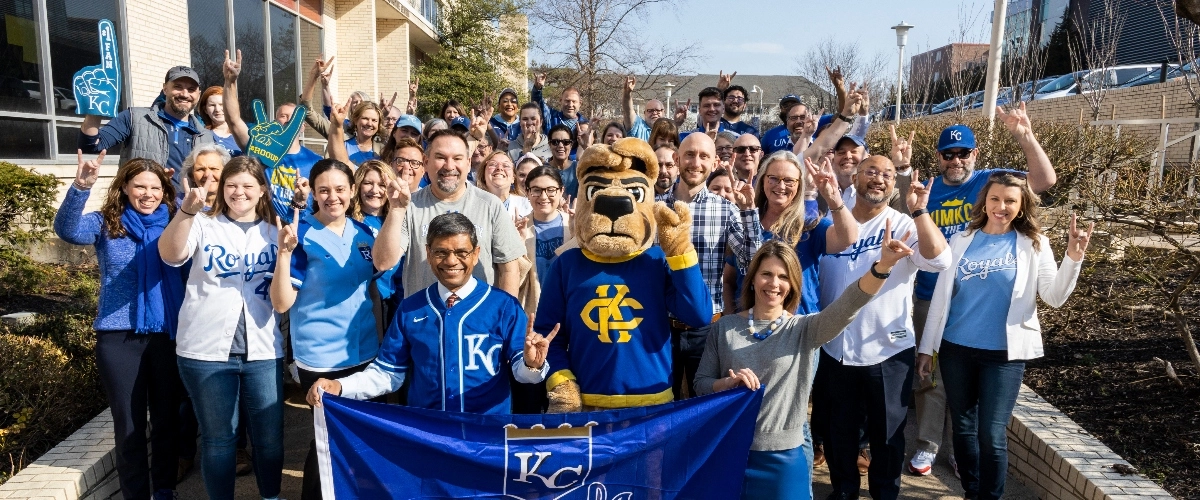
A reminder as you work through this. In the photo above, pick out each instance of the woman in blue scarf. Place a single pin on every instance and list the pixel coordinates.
(138, 310)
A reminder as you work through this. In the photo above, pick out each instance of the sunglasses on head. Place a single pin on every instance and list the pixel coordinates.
(962, 154)
(1015, 173)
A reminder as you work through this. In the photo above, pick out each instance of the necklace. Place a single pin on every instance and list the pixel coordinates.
(770, 328)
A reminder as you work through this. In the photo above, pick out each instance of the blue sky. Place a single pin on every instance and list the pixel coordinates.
(765, 37)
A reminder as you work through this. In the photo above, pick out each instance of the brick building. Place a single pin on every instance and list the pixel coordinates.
(933, 65)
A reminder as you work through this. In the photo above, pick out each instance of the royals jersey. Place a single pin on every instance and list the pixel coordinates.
(614, 337)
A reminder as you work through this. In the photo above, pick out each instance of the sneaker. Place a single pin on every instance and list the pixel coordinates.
(243, 463)
(954, 465)
(921, 463)
(864, 461)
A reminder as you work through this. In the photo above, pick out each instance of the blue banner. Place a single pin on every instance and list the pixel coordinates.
(693, 449)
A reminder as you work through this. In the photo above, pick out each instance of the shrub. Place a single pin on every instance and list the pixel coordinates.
(26, 204)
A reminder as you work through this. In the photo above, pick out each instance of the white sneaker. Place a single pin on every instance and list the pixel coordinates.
(921, 463)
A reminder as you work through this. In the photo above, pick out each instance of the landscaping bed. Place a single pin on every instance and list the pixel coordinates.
(1100, 370)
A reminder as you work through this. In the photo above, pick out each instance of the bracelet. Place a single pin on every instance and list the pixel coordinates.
(299, 206)
(878, 274)
(81, 188)
(839, 207)
(185, 212)
(918, 212)
(844, 118)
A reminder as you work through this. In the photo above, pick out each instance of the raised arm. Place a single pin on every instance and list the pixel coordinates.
(283, 292)
(932, 241)
(857, 101)
(320, 70)
(411, 109)
(335, 146)
(845, 229)
(70, 223)
(1055, 283)
(233, 111)
(392, 240)
(627, 117)
(173, 244)
(1041, 171)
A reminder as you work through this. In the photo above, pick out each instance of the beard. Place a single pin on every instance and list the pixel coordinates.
(873, 198)
(958, 178)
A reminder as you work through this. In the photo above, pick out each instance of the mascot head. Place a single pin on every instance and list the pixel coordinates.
(614, 216)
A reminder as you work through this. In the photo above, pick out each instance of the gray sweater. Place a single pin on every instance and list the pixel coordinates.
(783, 363)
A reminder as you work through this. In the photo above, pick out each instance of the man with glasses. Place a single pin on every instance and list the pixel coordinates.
(734, 99)
(639, 126)
(747, 153)
(870, 362)
(506, 123)
(668, 172)
(951, 198)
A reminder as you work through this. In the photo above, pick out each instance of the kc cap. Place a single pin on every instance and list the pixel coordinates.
(956, 136)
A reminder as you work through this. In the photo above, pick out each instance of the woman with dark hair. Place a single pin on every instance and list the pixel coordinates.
(451, 110)
(212, 110)
(326, 254)
(230, 348)
(767, 344)
(551, 226)
(138, 312)
(983, 321)
(613, 131)
(664, 132)
(561, 146)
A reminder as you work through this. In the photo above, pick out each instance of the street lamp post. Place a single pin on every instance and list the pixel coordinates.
(901, 41)
(669, 86)
(758, 90)
(992, 86)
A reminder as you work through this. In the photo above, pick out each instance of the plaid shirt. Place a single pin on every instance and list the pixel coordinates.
(716, 224)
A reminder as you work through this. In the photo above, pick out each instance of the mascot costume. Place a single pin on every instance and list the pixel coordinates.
(611, 295)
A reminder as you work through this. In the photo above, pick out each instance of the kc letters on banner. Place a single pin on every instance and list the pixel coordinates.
(693, 449)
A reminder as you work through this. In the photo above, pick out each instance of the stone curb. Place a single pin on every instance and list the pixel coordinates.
(72, 469)
(1055, 457)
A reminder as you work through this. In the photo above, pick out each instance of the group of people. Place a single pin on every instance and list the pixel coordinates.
(410, 257)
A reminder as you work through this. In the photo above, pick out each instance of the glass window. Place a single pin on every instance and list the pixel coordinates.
(311, 47)
(210, 39)
(74, 44)
(252, 84)
(24, 139)
(20, 63)
(283, 56)
(68, 141)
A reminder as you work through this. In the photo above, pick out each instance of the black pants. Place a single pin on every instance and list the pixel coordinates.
(822, 401)
(139, 374)
(684, 366)
(311, 487)
(883, 392)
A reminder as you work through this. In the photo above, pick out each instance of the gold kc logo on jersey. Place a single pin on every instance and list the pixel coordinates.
(608, 314)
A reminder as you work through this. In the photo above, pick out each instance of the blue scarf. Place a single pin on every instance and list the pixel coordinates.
(160, 287)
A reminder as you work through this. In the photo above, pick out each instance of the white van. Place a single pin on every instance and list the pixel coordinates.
(1083, 82)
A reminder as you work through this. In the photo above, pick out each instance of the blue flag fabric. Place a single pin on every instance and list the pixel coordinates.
(98, 88)
(693, 449)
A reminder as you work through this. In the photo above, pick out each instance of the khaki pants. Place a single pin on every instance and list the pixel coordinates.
(933, 420)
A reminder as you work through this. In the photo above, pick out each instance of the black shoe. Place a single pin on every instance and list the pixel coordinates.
(840, 496)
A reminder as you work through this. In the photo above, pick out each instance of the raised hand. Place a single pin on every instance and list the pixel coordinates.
(681, 111)
(810, 125)
(269, 140)
(712, 129)
(88, 171)
(300, 192)
(744, 376)
(918, 194)
(539, 80)
(568, 205)
(413, 86)
(1016, 121)
(743, 195)
(825, 181)
(289, 234)
(835, 76)
(232, 69)
(479, 121)
(630, 84)
(893, 249)
(536, 346)
(901, 153)
(337, 112)
(321, 69)
(194, 197)
(723, 80)
(398, 194)
(1077, 241)
(864, 96)
(98, 88)
(523, 227)
(387, 104)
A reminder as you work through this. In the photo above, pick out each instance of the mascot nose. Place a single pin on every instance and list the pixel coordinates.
(613, 207)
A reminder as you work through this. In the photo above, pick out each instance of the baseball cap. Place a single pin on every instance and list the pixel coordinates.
(856, 139)
(462, 122)
(409, 121)
(182, 72)
(508, 90)
(956, 136)
(790, 97)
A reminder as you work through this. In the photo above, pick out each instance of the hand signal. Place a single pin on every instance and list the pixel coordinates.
(536, 346)
(893, 249)
(98, 88)
(270, 140)
(88, 171)
(194, 198)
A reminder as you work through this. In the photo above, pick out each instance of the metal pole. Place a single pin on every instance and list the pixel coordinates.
(992, 87)
(899, 84)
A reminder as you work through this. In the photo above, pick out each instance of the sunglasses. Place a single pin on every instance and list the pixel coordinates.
(560, 142)
(1014, 173)
(747, 149)
(962, 154)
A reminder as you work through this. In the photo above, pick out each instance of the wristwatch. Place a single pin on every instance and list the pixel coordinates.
(844, 118)
(878, 274)
(918, 212)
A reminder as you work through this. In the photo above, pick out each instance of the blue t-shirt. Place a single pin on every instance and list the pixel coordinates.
(549, 237)
(983, 287)
(283, 180)
(391, 281)
(739, 127)
(229, 143)
(810, 248)
(333, 321)
(640, 129)
(776, 139)
(570, 182)
(950, 208)
(358, 156)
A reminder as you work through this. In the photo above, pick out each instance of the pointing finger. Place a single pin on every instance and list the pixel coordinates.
(912, 136)
(887, 232)
(100, 157)
(894, 138)
(553, 333)
(295, 216)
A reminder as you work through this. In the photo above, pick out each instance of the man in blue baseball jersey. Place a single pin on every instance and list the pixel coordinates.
(454, 340)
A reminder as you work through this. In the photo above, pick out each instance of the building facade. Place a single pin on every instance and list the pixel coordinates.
(933, 65)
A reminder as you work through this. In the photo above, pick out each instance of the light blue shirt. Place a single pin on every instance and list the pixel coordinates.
(983, 288)
(640, 129)
(549, 237)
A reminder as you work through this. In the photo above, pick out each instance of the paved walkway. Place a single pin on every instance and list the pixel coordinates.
(298, 421)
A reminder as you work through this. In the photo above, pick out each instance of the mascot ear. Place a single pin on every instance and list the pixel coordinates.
(637, 164)
(639, 154)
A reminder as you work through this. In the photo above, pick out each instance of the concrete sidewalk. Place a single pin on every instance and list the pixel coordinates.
(298, 421)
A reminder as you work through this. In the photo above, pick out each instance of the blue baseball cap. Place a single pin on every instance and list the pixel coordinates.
(956, 136)
(461, 121)
(409, 121)
(790, 97)
(858, 140)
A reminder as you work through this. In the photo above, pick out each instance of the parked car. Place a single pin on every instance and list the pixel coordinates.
(1174, 72)
(1082, 82)
(908, 111)
(34, 88)
(1002, 98)
(1026, 90)
(947, 105)
(64, 99)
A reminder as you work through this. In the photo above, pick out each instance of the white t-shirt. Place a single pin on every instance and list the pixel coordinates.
(227, 279)
(517, 206)
(884, 327)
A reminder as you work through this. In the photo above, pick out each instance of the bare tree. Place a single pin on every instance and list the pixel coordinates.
(1184, 35)
(598, 41)
(1095, 47)
(1024, 61)
(873, 70)
(970, 77)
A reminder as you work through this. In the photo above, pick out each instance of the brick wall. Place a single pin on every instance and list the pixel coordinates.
(158, 39)
(394, 58)
(356, 52)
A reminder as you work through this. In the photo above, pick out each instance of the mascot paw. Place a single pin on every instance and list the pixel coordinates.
(674, 228)
(564, 398)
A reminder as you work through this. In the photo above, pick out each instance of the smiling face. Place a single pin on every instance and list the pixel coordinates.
(795, 120)
(780, 183)
(958, 169)
(611, 134)
(875, 179)
(450, 114)
(447, 162)
(735, 103)
(531, 123)
(144, 192)
(389, 121)
(771, 284)
(508, 106)
(560, 145)
(409, 164)
(520, 173)
(697, 157)
(724, 149)
(215, 107)
(182, 94)
(332, 191)
(846, 158)
(372, 194)
(498, 174)
(1002, 205)
(721, 186)
(368, 123)
(545, 194)
(747, 152)
(452, 259)
(711, 109)
(242, 193)
(569, 103)
(207, 172)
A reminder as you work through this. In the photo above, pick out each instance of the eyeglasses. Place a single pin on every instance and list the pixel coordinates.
(962, 154)
(399, 162)
(445, 254)
(495, 165)
(735, 99)
(872, 173)
(788, 182)
(724, 149)
(747, 149)
(550, 192)
(560, 142)
(654, 110)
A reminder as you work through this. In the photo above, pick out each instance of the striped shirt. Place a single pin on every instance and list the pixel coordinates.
(717, 224)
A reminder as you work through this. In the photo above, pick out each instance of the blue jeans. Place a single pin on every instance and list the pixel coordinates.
(218, 390)
(981, 391)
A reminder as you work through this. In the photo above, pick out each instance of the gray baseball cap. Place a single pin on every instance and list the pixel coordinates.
(182, 72)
